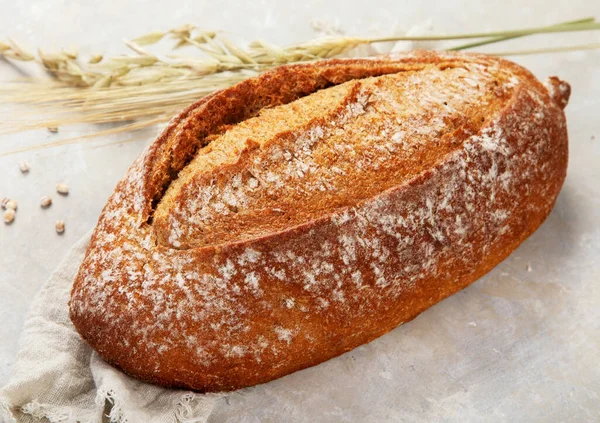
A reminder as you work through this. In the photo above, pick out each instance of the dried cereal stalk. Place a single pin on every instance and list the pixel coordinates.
(143, 88)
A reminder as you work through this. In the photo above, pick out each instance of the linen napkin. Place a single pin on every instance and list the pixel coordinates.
(57, 376)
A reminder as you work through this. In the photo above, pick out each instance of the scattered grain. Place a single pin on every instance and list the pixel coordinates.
(9, 216)
(11, 205)
(96, 58)
(62, 188)
(24, 166)
(45, 201)
(59, 226)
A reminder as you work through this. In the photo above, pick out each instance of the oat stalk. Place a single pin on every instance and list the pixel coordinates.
(144, 88)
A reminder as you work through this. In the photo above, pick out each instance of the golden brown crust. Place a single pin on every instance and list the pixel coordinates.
(217, 316)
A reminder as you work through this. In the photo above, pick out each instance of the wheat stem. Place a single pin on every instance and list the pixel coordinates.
(565, 49)
(511, 37)
(590, 26)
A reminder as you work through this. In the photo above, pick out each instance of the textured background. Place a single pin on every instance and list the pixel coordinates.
(517, 345)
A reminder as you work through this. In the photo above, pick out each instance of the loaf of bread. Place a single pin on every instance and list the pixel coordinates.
(297, 215)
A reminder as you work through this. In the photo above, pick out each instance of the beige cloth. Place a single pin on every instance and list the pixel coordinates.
(57, 376)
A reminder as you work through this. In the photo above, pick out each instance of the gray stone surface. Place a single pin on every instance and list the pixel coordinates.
(517, 345)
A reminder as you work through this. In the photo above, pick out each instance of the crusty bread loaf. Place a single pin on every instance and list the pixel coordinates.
(288, 219)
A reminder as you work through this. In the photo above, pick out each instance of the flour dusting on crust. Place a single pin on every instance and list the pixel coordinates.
(319, 289)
